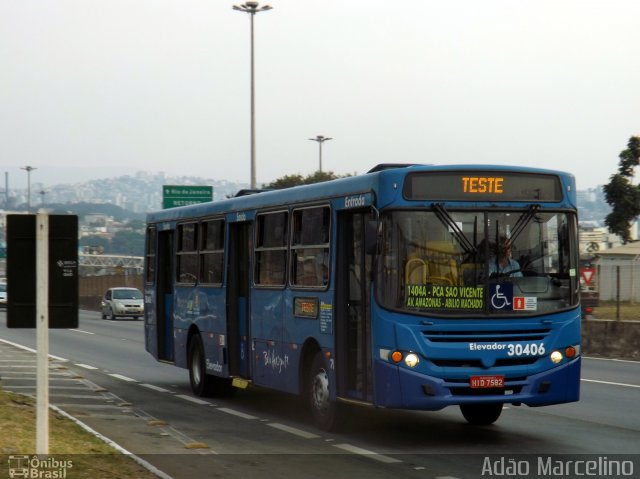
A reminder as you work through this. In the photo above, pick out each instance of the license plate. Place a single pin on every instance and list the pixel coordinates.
(486, 381)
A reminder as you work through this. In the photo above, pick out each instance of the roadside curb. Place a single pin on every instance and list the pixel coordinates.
(147, 465)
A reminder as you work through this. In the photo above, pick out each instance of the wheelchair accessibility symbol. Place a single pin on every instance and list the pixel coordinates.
(502, 296)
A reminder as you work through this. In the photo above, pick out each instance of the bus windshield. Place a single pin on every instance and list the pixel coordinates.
(478, 263)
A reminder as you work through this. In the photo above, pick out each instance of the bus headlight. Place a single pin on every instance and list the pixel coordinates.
(556, 357)
(411, 360)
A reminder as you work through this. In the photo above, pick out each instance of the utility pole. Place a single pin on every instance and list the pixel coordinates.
(320, 139)
(252, 8)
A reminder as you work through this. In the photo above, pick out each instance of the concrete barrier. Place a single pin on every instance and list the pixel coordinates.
(611, 339)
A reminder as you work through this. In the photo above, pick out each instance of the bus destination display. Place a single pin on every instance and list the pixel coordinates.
(482, 186)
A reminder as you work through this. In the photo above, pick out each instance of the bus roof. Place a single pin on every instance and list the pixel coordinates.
(384, 173)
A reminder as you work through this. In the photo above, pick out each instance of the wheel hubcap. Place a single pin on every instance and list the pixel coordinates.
(321, 392)
(195, 367)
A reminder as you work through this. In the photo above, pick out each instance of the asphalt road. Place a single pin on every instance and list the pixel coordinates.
(147, 407)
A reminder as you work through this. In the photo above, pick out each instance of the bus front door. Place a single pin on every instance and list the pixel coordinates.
(164, 296)
(238, 305)
(353, 331)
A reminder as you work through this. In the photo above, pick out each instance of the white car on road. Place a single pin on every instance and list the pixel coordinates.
(122, 302)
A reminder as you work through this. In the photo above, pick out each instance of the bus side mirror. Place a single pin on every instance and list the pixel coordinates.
(371, 237)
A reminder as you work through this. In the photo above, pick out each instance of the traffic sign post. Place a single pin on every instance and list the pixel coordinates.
(42, 280)
(42, 333)
(181, 195)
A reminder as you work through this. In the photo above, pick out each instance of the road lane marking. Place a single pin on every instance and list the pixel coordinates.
(615, 360)
(18, 346)
(58, 358)
(81, 331)
(237, 413)
(97, 407)
(73, 388)
(155, 388)
(192, 399)
(142, 462)
(611, 383)
(86, 366)
(78, 396)
(124, 378)
(366, 453)
(293, 430)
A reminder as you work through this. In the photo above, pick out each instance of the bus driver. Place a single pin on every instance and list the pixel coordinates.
(504, 264)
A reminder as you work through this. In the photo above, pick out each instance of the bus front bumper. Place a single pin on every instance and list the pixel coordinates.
(398, 387)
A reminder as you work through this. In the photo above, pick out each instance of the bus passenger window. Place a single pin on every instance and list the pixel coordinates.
(271, 249)
(212, 252)
(187, 255)
(150, 263)
(310, 247)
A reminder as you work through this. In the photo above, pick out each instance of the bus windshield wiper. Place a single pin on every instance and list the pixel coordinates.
(447, 220)
(523, 221)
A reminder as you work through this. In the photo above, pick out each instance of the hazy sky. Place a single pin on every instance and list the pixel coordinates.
(111, 87)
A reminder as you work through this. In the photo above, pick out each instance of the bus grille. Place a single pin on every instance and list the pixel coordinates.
(476, 363)
(485, 336)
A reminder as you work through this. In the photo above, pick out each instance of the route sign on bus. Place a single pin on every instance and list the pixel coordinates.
(183, 195)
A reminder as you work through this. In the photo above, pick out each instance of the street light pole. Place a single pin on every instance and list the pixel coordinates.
(252, 8)
(28, 169)
(320, 139)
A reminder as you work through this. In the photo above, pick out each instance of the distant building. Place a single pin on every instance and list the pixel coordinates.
(594, 239)
(619, 273)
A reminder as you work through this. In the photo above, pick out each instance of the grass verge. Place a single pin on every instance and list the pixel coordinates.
(607, 310)
(90, 457)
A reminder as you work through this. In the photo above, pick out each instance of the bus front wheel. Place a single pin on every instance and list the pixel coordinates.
(481, 414)
(324, 410)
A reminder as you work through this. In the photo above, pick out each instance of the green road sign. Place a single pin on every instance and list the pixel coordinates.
(180, 195)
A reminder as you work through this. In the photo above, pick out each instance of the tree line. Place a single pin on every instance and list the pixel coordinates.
(622, 194)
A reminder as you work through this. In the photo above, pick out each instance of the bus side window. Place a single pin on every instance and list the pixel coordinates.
(150, 263)
(271, 249)
(212, 251)
(187, 254)
(310, 246)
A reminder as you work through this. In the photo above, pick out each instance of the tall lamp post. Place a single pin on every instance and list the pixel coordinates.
(28, 169)
(252, 8)
(320, 139)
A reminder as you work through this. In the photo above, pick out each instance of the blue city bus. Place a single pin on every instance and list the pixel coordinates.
(411, 286)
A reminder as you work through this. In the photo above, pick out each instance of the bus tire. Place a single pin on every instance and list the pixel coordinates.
(481, 414)
(201, 383)
(324, 411)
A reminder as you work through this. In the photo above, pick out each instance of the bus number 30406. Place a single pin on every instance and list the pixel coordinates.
(525, 349)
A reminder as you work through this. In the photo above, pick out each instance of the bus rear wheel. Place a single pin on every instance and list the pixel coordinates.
(203, 384)
(324, 410)
(481, 414)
